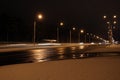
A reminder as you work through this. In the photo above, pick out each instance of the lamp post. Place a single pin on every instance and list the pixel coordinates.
(34, 34)
(61, 24)
(110, 28)
(91, 37)
(81, 31)
(88, 34)
(71, 33)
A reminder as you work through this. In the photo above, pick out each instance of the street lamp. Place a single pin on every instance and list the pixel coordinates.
(81, 31)
(61, 24)
(88, 34)
(71, 33)
(39, 16)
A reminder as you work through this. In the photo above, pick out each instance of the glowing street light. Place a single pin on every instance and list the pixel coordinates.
(104, 17)
(39, 16)
(61, 23)
(114, 22)
(82, 31)
(108, 22)
(97, 37)
(73, 28)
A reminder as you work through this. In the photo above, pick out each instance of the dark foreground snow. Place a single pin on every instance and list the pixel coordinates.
(97, 68)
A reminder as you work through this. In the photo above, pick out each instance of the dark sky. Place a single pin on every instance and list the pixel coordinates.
(81, 13)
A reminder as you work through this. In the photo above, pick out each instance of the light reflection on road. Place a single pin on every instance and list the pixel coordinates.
(81, 47)
(73, 49)
(61, 50)
(41, 55)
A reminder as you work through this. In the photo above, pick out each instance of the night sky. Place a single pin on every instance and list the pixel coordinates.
(82, 14)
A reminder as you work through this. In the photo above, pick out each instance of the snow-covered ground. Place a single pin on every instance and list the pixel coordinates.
(97, 68)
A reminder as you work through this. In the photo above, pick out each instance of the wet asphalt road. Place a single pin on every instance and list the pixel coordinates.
(46, 54)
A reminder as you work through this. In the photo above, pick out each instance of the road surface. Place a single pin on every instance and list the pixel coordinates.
(42, 53)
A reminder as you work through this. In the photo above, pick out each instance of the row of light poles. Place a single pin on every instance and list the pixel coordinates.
(110, 34)
(81, 31)
(40, 17)
(70, 33)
